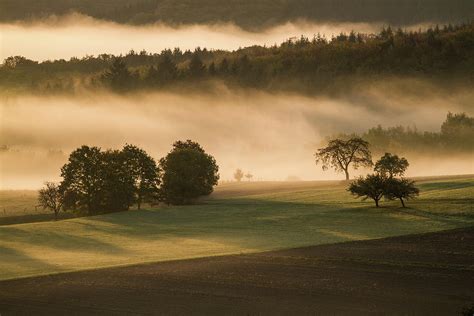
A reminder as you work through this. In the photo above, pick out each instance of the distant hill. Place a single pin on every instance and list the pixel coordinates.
(247, 13)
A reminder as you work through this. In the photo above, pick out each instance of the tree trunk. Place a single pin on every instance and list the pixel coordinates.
(56, 215)
(376, 203)
(403, 203)
(139, 203)
(347, 174)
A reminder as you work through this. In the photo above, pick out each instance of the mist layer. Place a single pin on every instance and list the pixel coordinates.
(273, 136)
(79, 36)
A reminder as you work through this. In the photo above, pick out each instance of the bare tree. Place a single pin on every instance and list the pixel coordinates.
(51, 197)
(341, 154)
(249, 176)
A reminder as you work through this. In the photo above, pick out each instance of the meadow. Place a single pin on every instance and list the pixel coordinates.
(238, 218)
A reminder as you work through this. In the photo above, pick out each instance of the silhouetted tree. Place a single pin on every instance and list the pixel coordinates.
(96, 181)
(400, 189)
(238, 175)
(188, 172)
(144, 172)
(391, 165)
(82, 179)
(50, 197)
(117, 192)
(341, 154)
(249, 176)
(372, 186)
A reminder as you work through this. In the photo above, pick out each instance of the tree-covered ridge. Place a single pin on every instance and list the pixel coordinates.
(304, 64)
(246, 13)
(456, 135)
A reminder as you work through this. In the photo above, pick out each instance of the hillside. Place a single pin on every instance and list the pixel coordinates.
(310, 65)
(238, 218)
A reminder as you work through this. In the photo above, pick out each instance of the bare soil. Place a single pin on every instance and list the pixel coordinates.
(427, 274)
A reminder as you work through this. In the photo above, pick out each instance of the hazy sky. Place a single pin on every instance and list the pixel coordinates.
(79, 36)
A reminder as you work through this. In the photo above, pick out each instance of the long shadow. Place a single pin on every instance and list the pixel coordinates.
(58, 240)
(32, 218)
(247, 222)
(447, 185)
(253, 217)
(11, 259)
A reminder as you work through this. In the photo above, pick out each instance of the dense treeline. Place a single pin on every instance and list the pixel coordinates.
(246, 13)
(303, 64)
(455, 136)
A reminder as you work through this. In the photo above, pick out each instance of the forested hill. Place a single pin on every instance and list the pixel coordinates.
(247, 13)
(303, 64)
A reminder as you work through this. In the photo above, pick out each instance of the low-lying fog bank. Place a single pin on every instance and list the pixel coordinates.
(273, 136)
(78, 36)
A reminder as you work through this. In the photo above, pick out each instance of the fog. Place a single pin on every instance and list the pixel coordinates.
(78, 36)
(273, 136)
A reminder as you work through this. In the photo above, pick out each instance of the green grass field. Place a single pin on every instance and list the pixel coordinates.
(237, 218)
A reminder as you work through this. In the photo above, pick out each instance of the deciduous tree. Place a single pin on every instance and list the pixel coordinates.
(188, 172)
(401, 189)
(50, 197)
(372, 186)
(391, 165)
(144, 172)
(341, 154)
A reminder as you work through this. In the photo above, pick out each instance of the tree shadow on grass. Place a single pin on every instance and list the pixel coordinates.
(252, 223)
(57, 240)
(13, 263)
(446, 185)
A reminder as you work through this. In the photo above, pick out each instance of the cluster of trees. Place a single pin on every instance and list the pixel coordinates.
(303, 64)
(384, 182)
(96, 181)
(455, 136)
(239, 175)
(342, 154)
(249, 14)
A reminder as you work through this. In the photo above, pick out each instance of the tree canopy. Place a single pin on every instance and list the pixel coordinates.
(383, 183)
(188, 172)
(307, 65)
(391, 165)
(373, 186)
(341, 154)
(96, 181)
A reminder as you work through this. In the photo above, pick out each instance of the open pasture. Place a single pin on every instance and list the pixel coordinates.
(237, 218)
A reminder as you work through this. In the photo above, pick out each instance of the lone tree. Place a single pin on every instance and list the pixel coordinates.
(340, 155)
(391, 166)
(50, 197)
(238, 175)
(400, 189)
(144, 172)
(249, 176)
(188, 172)
(372, 186)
